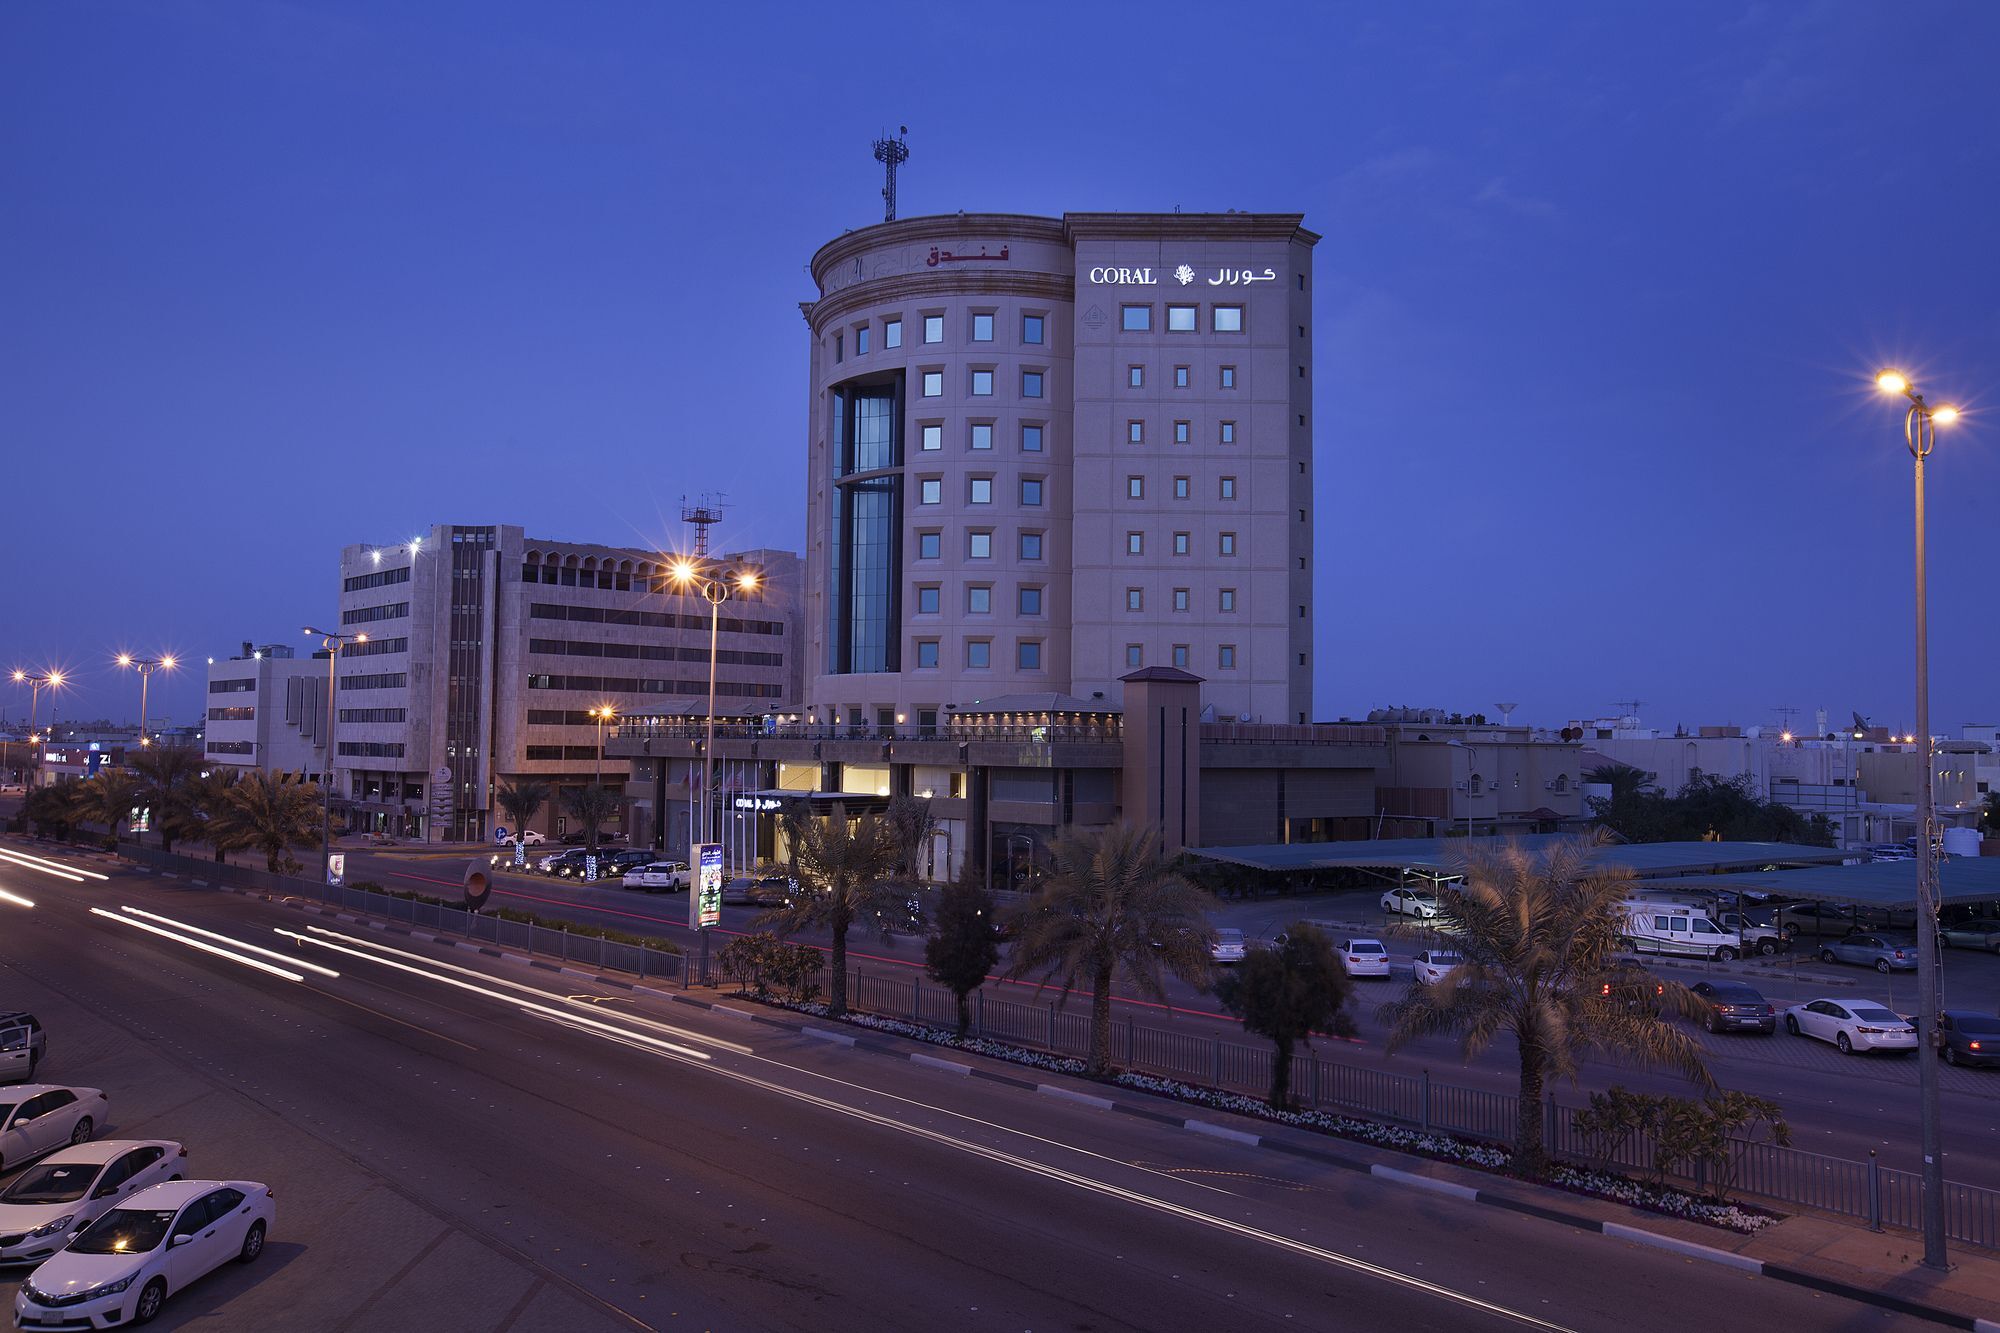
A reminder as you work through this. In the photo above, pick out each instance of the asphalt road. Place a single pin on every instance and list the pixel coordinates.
(499, 1148)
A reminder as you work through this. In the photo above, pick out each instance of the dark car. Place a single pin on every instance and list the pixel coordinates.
(1970, 1037)
(1818, 920)
(1735, 1007)
(1632, 987)
(617, 863)
(769, 890)
(604, 838)
(567, 864)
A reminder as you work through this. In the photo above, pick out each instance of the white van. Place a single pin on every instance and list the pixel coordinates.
(1657, 927)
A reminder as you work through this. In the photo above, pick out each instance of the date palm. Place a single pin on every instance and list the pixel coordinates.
(108, 799)
(1539, 933)
(591, 806)
(910, 823)
(166, 773)
(207, 796)
(272, 817)
(1113, 904)
(844, 870)
(522, 799)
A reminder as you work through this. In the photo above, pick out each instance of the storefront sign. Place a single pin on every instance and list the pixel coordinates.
(756, 803)
(1182, 274)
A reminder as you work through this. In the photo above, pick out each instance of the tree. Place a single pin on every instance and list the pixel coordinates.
(52, 808)
(1625, 780)
(107, 799)
(522, 799)
(273, 817)
(1989, 815)
(207, 798)
(1709, 806)
(962, 950)
(1539, 932)
(166, 772)
(1112, 903)
(1286, 993)
(910, 824)
(843, 868)
(592, 805)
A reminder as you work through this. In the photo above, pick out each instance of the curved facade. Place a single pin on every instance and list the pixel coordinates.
(1046, 452)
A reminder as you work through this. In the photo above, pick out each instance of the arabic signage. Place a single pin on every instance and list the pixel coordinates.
(938, 256)
(1145, 277)
(756, 803)
(705, 903)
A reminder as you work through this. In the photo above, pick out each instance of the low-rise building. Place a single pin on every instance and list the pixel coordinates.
(267, 709)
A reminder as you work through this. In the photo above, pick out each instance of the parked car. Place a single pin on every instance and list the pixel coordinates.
(1818, 920)
(620, 863)
(1970, 1038)
(1758, 930)
(1228, 946)
(531, 838)
(605, 838)
(1735, 1007)
(125, 1264)
(1631, 987)
(1408, 902)
(771, 890)
(23, 1045)
(1434, 965)
(658, 877)
(47, 1204)
(1881, 952)
(1364, 958)
(1852, 1025)
(550, 864)
(1978, 933)
(38, 1118)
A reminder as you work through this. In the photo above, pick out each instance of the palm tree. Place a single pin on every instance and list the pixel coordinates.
(108, 799)
(273, 817)
(1539, 933)
(593, 805)
(1112, 903)
(910, 825)
(522, 799)
(843, 868)
(207, 797)
(165, 772)
(52, 808)
(1625, 780)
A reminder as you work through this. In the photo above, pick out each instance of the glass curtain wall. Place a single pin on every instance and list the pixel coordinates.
(865, 605)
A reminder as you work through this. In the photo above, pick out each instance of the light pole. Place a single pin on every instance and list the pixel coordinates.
(714, 585)
(603, 713)
(145, 666)
(1920, 425)
(332, 641)
(50, 680)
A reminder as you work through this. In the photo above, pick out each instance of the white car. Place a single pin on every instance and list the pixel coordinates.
(63, 1193)
(1408, 902)
(1434, 965)
(1365, 958)
(38, 1118)
(669, 876)
(125, 1264)
(1852, 1025)
(1228, 946)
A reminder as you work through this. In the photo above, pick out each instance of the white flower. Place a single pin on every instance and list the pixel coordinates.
(1184, 275)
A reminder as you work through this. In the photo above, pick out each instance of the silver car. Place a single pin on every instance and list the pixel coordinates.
(1881, 952)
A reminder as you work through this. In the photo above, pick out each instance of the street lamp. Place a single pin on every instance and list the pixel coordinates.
(1920, 425)
(603, 713)
(50, 680)
(715, 585)
(145, 666)
(332, 641)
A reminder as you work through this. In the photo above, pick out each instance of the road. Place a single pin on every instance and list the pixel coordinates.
(457, 1143)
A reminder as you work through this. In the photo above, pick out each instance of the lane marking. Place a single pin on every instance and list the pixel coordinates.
(243, 959)
(414, 1027)
(286, 959)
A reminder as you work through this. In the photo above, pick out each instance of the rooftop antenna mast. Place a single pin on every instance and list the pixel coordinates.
(891, 153)
(701, 516)
(1785, 714)
(1631, 707)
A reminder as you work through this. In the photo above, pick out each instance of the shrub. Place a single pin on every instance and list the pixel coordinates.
(763, 964)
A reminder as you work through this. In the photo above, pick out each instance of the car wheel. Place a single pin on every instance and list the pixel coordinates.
(1846, 1046)
(81, 1134)
(1944, 941)
(1826, 956)
(1767, 947)
(150, 1301)
(1714, 1024)
(1792, 1025)
(253, 1244)
(1950, 1055)
(1882, 966)
(1724, 954)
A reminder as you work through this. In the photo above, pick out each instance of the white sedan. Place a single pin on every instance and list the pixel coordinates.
(1408, 902)
(1434, 965)
(1228, 946)
(1365, 958)
(670, 876)
(125, 1264)
(66, 1191)
(38, 1118)
(1852, 1025)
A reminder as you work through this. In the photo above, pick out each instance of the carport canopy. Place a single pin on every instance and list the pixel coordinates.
(1883, 885)
(1435, 856)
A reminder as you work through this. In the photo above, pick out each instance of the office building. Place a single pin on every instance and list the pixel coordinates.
(267, 709)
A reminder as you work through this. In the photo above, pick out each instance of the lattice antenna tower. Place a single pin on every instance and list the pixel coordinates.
(1631, 706)
(891, 153)
(702, 515)
(1785, 714)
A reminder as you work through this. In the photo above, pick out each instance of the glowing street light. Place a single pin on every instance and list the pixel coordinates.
(146, 666)
(603, 713)
(50, 680)
(332, 641)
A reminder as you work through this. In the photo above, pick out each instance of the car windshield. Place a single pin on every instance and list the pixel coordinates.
(1870, 1014)
(125, 1231)
(52, 1182)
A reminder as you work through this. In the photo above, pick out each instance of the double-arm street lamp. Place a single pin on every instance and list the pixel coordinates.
(1920, 425)
(332, 641)
(50, 680)
(145, 666)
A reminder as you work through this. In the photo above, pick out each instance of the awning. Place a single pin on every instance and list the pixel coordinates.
(1887, 885)
(1447, 854)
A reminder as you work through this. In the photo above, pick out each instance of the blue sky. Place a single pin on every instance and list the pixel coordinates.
(1599, 296)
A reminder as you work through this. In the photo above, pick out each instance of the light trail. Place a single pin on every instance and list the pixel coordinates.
(46, 868)
(243, 959)
(51, 867)
(16, 899)
(284, 958)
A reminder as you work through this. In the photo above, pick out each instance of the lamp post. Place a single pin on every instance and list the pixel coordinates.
(332, 641)
(603, 713)
(50, 680)
(1920, 425)
(145, 666)
(715, 586)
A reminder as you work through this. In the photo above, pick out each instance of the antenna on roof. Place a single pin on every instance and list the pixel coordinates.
(702, 515)
(1631, 707)
(891, 153)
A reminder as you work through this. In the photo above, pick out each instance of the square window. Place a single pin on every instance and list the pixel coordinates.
(1181, 318)
(1228, 488)
(927, 599)
(927, 653)
(1180, 377)
(1183, 543)
(1135, 488)
(1029, 601)
(1228, 319)
(861, 341)
(1180, 599)
(982, 435)
(982, 384)
(1031, 384)
(1227, 601)
(1135, 377)
(1229, 377)
(1028, 654)
(930, 491)
(933, 328)
(933, 384)
(982, 328)
(1031, 329)
(1031, 490)
(892, 333)
(1229, 432)
(1226, 544)
(979, 545)
(1135, 432)
(1135, 599)
(979, 599)
(981, 492)
(838, 354)
(1031, 439)
(979, 653)
(1031, 546)
(1183, 431)
(1225, 657)
(1135, 543)
(930, 545)
(1181, 486)
(1136, 318)
(1181, 655)
(933, 436)
(1135, 656)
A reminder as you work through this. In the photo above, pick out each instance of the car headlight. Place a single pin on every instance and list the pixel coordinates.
(106, 1289)
(60, 1224)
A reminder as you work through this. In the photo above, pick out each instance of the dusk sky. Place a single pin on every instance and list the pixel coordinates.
(1601, 294)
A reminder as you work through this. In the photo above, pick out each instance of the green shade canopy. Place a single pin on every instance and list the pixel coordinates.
(1445, 854)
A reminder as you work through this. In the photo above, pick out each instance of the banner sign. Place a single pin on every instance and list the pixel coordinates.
(705, 903)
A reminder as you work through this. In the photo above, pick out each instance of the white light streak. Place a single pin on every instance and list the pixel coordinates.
(284, 958)
(243, 959)
(15, 898)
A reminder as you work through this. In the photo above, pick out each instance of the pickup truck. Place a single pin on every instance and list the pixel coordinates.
(1758, 933)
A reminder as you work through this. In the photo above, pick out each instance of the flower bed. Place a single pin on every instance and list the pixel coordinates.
(1663, 1199)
